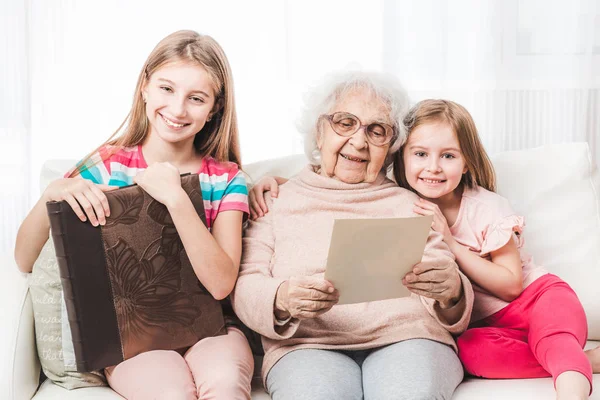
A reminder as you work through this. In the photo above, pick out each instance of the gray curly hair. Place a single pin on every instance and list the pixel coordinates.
(333, 87)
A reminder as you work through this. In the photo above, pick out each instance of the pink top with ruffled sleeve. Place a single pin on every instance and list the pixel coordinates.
(486, 222)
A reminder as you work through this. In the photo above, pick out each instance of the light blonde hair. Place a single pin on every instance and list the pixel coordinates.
(480, 171)
(219, 136)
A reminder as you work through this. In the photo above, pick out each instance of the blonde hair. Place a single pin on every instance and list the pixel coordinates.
(219, 136)
(480, 171)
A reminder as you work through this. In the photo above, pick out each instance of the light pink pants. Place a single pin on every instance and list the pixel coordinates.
(217, 367)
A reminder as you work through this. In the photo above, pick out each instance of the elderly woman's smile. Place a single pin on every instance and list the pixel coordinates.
(353, 158)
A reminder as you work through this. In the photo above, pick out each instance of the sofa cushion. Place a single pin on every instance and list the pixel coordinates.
(53, 345)
(53, 339)
(556, 188)
(48, 390)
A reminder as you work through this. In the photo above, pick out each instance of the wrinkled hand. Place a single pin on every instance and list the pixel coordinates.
(438, 280)
(84, 196)
(161, 181)
(258, 206)
(306, 297)
(424, 207)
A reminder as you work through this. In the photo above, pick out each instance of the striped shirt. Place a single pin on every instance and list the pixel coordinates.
(222, 183)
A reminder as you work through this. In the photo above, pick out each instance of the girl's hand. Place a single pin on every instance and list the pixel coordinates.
(161, 181)
(258, 206)
(424, 207)
(85, 198)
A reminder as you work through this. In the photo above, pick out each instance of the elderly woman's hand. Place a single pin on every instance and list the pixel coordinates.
(305, 297)
(437, 280)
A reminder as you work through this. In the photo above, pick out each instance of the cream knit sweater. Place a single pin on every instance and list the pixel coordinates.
(293, 238)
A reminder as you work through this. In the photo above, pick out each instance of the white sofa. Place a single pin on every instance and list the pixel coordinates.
(554, 186)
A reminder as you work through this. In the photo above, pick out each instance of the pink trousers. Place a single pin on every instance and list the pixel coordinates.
(218, 367)
(541, 333)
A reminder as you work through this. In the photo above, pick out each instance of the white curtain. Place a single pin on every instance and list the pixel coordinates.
(15, 120)
(528, 70)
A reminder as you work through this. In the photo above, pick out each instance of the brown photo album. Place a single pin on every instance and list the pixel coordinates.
(129, 286)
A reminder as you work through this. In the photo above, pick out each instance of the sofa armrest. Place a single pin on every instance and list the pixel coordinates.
(20, 366)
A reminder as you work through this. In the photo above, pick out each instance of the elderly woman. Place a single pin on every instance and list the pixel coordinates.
(314, 349)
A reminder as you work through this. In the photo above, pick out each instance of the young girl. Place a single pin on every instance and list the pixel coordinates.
(182, 120)
(526, 322)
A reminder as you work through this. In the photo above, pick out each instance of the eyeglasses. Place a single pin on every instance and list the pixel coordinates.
(346, 124)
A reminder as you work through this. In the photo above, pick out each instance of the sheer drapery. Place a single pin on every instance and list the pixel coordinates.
(528, 70)
(15, 120)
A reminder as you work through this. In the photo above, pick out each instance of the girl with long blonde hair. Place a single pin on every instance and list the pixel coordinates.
(182, 120)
